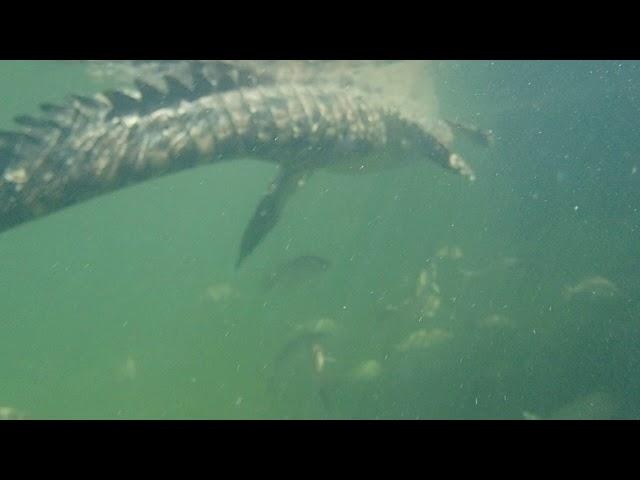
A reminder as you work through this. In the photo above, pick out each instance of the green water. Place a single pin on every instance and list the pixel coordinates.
(105, 312)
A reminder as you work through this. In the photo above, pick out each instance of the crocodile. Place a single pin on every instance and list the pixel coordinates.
(97, 144)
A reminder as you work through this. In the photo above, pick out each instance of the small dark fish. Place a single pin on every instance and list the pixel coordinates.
(297, 271)
(289, 356)
(300, 343)
(303, 344)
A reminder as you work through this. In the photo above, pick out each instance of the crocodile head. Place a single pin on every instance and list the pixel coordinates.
(410, 141)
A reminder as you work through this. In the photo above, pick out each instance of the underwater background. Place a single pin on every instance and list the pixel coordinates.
(423, 296)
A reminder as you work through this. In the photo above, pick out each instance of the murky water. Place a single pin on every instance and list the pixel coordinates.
(402, 293)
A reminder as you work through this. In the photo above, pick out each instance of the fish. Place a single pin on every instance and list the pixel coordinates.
(426, 281)
(10, 413)
(323, 325)
(501, 264)
(308, 340)
(495, 320)
(366, 371)
(424, 338)
(296, 271)
(527, 415)
(128, 370)
(452, 252)
(319, 358)
(212, 112)
(220, 292)
(306, 335)
(594, 406)
(430, 306)
(595, 286)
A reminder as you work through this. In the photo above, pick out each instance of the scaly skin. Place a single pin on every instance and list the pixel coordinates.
(99, 145)
(302, 127)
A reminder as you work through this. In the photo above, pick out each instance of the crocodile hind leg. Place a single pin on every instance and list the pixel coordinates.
(269, 209)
